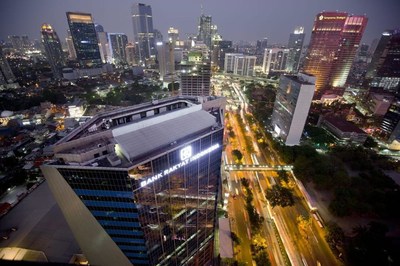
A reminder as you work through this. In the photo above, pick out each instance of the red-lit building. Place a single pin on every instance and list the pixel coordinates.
(334, 41)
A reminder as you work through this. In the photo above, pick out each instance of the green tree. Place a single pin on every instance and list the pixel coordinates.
(237, 155)
(262, 259)
(280, 196)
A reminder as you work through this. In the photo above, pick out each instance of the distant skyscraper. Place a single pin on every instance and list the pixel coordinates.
(130, 54)
(295, 45)
(117, 43)
(173, 35)
(204, 28)
(103, 43)
(139, 185)
(261, 46)
(292, 104)
(275, 60)
(379, 51)
(166, 63)
(143, 32)
(26, 43)
(220, 49)
(6, 74)
(85, 39)
(334, 42)
(52, 47)
(70, 46)
(387, 71)
(158, 37)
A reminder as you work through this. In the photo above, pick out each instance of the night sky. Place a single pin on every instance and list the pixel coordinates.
(236, 20)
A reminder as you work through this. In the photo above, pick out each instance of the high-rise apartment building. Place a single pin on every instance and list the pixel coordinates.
(165, 58)
(292, 104)
(229, 63)
(85, 40)
(204, 30)
(52, 47)
(244, 65)
(196, 78)
(117, 43)
(275, 60)
(390, 125)
(295, 45)
(334, 42)
(143, 32)
(139, 185)
(6, 74)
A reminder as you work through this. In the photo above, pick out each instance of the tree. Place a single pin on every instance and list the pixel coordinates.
(262, 259)
(282, 174)
(304, 225)
(335, 235)
(279, 196)
(238, 155)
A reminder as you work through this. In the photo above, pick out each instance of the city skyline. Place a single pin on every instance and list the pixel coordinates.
(184, 16)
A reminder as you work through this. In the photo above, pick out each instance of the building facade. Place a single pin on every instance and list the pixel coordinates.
(295, 45)
(275, 60)
(85, 40)
(195, 78)
(52, 47)
(6, 74)
(139, 185)
(204, 30)
(292, 104)
(390, 125)
(244, 65)
(334, 42)
(143, 32)
(117, 43)
(103, 43)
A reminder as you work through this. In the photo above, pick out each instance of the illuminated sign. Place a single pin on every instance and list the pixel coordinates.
(186, 153)
(186, 157)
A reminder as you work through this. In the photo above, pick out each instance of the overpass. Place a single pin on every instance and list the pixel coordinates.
(256, 167)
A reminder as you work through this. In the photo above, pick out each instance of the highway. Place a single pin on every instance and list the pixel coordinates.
(280, 228)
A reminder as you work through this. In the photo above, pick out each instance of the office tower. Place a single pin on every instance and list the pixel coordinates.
(158, 37)
(390, 125)
(295, 45)
(222, 47)
(84, 38)
(275, 60)
(195, 78)
(229, 64)
(292, 103)
(244, 65)
(204, 30)
(143, 32)
(117, 43)
(379, 52)
(70, 46)
(387, 73)
(165, 58)
(6, 74)
(173, 35)
(334, 42)
(261, 46)
(130, 54)
(52, 47)
(139, 185)
(102, 37)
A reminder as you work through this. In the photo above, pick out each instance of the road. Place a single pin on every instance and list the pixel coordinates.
(308, 248)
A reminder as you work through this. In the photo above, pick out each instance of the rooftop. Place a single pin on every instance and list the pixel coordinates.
(343, 125)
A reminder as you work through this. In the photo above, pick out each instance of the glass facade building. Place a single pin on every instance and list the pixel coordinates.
(335, 39)
(151, 198)
(52, 47)
(85, 41)
(143, 32)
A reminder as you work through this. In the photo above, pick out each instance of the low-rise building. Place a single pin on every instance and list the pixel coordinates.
(343, 130)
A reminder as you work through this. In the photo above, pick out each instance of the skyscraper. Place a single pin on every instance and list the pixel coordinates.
(261, 46)
(220, 49)
(143, 32)
(139, 185)
(173, 35)
(334, 42)
(387, 73)
(390, 125)
(130, 54)
(85, 39)
(196, 78)
(117, 43)
(52, 47)
(70, 46)
(379, 51)
(6, 74)
(292, 103)
(103, 43)
(295, 45)
(229, 62)
(204, 30)
(165, 58)
(244, 65)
